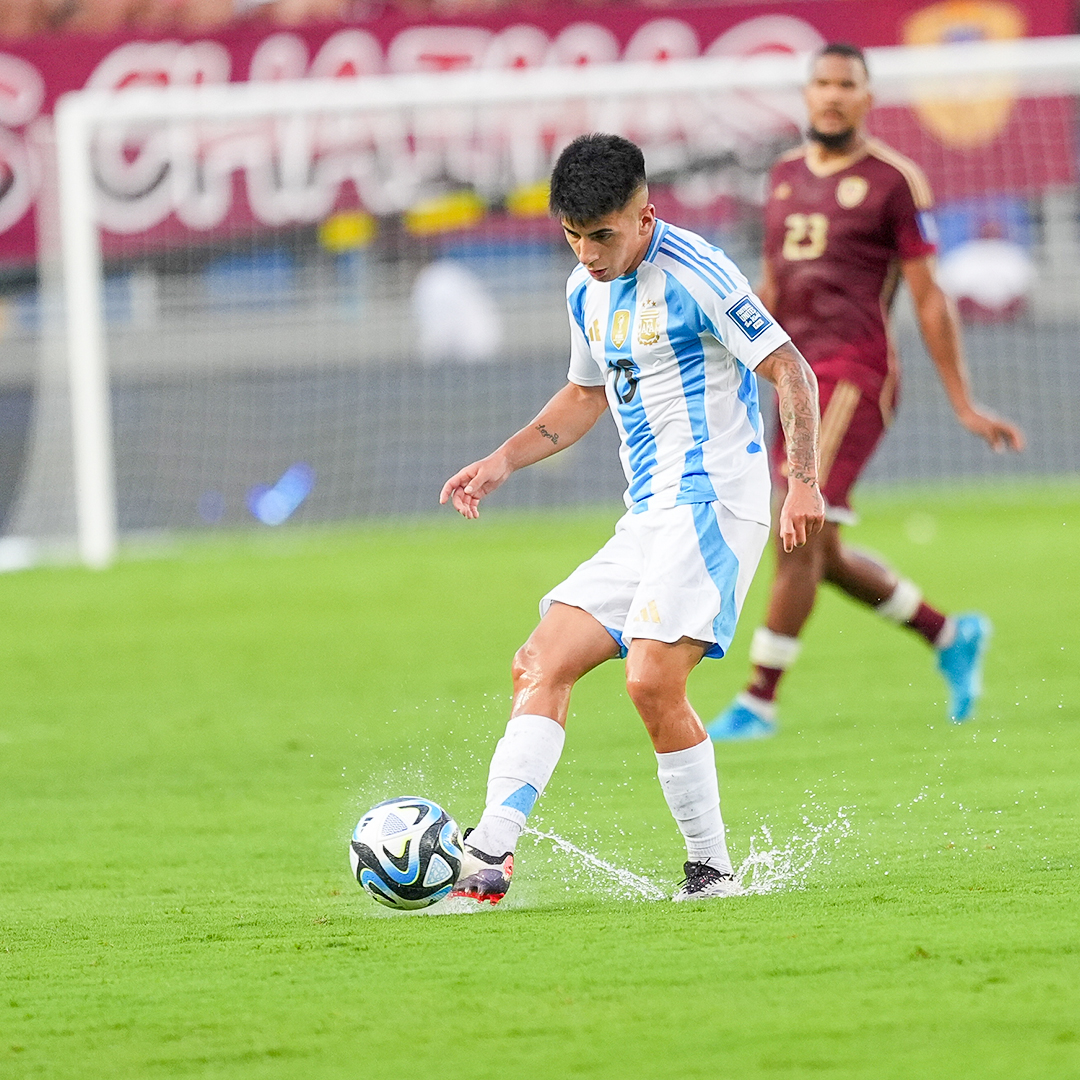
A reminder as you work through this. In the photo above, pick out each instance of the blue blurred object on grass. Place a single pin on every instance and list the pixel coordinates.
(274, 505)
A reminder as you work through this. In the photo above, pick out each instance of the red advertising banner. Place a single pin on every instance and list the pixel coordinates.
(34, 73)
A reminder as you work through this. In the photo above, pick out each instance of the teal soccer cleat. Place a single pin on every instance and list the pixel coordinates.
(961, 664)
(742, 720)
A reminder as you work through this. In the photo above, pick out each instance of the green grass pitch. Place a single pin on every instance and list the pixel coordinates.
(186, 742)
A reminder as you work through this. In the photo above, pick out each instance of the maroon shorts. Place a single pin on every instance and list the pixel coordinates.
(852, 424)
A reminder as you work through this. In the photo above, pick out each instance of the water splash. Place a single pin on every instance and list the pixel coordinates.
(621, 882)
(775, 863)
(771, 867)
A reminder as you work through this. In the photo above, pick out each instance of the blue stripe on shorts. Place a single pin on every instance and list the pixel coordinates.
(723, 567)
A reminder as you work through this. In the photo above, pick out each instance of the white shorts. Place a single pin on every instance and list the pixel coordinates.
(667, 574)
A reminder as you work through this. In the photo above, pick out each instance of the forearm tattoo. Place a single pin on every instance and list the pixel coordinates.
(552, 435)
(798, 402)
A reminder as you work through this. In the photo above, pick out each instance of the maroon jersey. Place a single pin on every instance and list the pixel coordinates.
(833, 244)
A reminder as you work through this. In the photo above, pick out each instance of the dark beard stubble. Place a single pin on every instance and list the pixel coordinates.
(837, 143)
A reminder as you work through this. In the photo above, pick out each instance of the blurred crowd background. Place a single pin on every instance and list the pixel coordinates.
(353, 308)
(20, 19)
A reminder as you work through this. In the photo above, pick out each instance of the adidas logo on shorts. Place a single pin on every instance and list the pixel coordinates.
(649, 613)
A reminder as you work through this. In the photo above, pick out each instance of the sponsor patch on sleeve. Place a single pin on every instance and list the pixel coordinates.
(749, 318)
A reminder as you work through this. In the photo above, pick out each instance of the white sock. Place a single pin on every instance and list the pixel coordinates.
(902, 603)
(773, 650)
(692, 790)
(947, 635)
(521, 766)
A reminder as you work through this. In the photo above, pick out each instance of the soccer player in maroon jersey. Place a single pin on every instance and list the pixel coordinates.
(846, 219)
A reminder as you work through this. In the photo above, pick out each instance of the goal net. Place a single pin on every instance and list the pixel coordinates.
(313, 301)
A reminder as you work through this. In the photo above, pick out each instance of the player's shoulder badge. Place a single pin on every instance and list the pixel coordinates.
(851, 191)
(648, 324)
(749, 318)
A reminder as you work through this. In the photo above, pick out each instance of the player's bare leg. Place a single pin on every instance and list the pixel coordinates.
(775, 646)
(826, 557)
(871, 582)
(959, 643)
(566, 644)
(656, 674)
(794, 588)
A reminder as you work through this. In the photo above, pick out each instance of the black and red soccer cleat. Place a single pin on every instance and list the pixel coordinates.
(484, 878)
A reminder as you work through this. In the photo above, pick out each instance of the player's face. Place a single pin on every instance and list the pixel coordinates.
(837, 96)
(615, 244)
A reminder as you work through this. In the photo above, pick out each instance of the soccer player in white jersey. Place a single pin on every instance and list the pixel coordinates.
(667, 334)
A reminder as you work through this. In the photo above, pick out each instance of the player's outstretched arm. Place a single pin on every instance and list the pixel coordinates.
(941, 332)
(803, 512)
(560, 423)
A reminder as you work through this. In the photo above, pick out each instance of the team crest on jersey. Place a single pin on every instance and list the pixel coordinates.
(648, 324)
(782, 190)
(851, 191)
(749, 318)
(620, 327)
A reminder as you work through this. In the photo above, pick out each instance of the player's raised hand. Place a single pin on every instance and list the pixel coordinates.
(802, 514)
(466, 488)
(999, 434)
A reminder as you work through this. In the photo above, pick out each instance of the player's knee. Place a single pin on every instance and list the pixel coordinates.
(525, 667)
(532, 668)
(650, 691)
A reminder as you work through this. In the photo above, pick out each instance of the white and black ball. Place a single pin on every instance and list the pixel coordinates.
(406, 852)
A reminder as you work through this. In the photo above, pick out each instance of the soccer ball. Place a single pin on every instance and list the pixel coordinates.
(406, 852)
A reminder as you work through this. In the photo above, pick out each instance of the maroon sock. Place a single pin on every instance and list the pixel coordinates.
(927, 621)
(763, 685)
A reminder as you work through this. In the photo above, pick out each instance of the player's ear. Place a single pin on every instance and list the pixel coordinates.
(648, 217)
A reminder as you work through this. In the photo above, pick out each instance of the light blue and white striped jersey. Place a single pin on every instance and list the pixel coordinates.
(675, 344)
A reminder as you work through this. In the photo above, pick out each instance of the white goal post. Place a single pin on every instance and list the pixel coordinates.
(900, 74)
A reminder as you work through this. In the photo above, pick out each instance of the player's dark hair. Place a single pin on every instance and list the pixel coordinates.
(595, 175)
(846, 50)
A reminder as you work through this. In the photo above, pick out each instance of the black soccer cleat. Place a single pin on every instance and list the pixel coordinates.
(703, 882)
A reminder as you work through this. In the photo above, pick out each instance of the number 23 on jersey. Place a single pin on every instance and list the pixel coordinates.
(806, 236)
